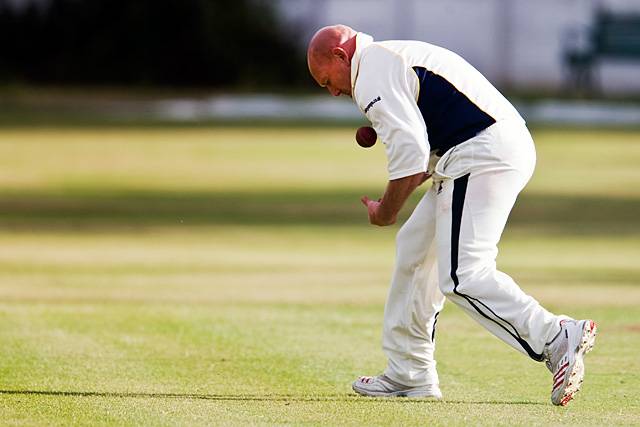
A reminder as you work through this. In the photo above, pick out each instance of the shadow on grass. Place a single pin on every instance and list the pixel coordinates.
(579, 215)
(241, 397)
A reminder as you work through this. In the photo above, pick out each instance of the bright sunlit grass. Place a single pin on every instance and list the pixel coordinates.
(228, 276)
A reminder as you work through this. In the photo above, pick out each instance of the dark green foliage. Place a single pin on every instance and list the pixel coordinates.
(171, 42)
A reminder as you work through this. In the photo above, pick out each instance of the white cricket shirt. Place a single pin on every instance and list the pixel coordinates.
(421, 98)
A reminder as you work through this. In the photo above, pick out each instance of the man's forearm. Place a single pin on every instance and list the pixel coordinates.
(397, 192)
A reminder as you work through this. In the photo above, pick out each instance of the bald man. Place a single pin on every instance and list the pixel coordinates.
(438, 117)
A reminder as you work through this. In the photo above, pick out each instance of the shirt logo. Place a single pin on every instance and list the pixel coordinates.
(369, 105)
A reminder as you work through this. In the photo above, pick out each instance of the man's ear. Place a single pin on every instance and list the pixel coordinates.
(341, 54)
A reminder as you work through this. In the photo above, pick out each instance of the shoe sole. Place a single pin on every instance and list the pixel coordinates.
(576, 376)
(400, 393)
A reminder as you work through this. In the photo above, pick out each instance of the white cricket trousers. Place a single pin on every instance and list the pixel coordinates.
(448, 248)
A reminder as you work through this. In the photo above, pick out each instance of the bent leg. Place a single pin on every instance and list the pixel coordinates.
(414, 300)
(473, 211)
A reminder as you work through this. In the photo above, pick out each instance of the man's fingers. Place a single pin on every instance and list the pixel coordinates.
(365, 200)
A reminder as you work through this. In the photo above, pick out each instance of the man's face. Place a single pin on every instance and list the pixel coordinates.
(333, 73)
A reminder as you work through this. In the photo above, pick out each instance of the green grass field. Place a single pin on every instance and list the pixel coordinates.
(167, 276)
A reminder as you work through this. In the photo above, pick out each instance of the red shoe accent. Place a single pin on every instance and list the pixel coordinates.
(561, 371)
(566, 399)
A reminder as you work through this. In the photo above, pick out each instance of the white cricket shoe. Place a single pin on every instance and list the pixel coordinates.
(564, 357)
(383, 386)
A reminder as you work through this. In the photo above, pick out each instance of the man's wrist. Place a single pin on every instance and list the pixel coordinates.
(385, 215)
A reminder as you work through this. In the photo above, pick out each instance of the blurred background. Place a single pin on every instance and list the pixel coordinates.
(180, 214)
(205, 60)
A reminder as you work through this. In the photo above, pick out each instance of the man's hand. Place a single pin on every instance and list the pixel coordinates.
(376, 213)
(385, 211)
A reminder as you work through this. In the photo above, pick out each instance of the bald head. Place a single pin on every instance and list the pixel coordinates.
(327, 38)
(329, 58)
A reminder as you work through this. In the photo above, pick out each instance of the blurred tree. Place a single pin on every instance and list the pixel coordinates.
(237, 43)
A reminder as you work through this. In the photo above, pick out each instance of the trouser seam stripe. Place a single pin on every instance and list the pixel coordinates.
(433, 331)
(457, 207)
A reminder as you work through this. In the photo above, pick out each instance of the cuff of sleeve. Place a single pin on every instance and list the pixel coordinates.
(406, 172)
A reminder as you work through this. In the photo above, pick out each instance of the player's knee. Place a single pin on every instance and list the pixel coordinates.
(457, 281)
(449, 286)
(446, 285)
(407, 262)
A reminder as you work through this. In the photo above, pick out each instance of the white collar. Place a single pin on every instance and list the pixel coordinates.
(362, 41)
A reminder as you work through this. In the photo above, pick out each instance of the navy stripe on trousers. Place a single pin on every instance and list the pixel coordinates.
(459, 193)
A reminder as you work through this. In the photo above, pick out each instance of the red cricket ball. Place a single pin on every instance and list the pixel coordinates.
(366, 136)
